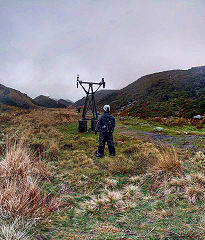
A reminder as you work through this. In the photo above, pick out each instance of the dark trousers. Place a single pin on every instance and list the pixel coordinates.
(103, 138)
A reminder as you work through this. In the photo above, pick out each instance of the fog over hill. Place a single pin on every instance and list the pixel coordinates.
(165, 93)
(48, 102)
(12, 97)
(45, 44)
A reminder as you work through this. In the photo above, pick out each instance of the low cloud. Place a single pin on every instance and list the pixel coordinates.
(45, 44)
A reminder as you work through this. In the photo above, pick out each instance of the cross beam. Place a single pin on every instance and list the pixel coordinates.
(90, 98)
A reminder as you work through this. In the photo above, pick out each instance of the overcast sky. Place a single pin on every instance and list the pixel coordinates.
(44, 44)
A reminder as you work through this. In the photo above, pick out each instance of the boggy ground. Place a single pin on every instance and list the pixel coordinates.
(179, 132)
(149, 191)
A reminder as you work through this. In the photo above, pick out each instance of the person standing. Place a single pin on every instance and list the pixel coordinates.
(106, 126)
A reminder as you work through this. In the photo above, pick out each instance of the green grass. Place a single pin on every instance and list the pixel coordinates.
(150, 126)
(155, 216)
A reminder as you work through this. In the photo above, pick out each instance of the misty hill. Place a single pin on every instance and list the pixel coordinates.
(175, 92)
(102, 97)
(48, 102)
(167, 93)
(64, 102)
(12, 97)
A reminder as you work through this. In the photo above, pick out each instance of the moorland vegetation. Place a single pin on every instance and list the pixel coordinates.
(52, 186)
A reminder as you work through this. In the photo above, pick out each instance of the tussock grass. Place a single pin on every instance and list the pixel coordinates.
(166, 162)
(131, 190)
(53, 149)
(20, 195)
(119, 164)
(190, 187)
(17, 228)
(20, 174)
(135, 179)
(199, 160)
(141, 158)
(111, 183)
(147, 190)
(195, 194)
(19, 162)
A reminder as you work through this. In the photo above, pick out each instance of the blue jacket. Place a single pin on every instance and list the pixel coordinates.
(104, 118)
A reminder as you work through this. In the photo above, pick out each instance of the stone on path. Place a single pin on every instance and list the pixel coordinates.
(159, 129)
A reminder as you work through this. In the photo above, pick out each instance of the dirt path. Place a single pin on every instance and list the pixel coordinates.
(192, 142)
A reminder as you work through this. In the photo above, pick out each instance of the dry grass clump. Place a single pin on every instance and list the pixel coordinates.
(132, 190)
(120, 200)
(19, 162)
(119, 164)
(157, 159)
(100, 200)
(90, 206)
(195, 194)
(108, 199)
(113, 197)
(176, 185)
(135, 179)
(17, 228)
(19, 179)
(199, 160)
(166, 161)
(144, 157)
(191, 187)
(131, 149)
(79, 159)
(197, 178)
(25, 199)
(111, 183)
(53, 149)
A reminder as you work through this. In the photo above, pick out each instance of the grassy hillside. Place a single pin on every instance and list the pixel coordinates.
(168, 93)
(176, 92)
(50, 103)
(66, 103)
(12, 97)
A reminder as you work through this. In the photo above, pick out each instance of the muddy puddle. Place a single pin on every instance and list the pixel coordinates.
(192, 142)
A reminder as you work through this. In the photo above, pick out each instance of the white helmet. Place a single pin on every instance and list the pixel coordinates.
(106, 108)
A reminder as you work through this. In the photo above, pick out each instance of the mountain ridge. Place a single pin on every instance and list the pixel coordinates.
(13, 97)
(48, 102)
(163, 93)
